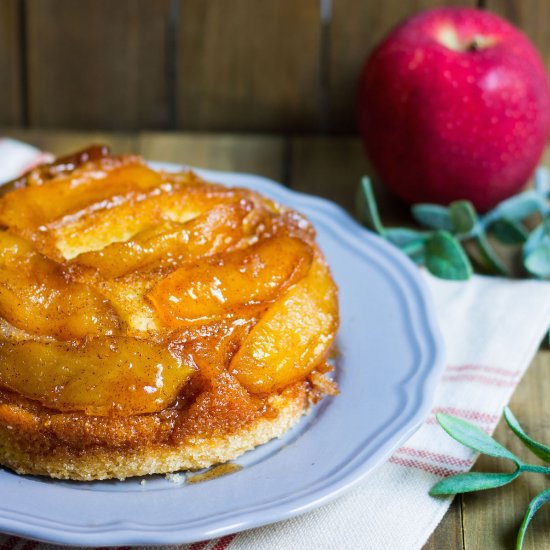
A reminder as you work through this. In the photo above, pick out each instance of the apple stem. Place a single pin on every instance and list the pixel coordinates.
(476, 44)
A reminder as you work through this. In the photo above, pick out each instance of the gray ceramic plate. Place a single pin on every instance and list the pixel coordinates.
(391, 359)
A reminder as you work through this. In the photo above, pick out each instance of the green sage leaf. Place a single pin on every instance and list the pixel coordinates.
(489, 259)
(367, 207)
(472, 481)
(538, 449)
(463, 216)
(537, 262)
(409, 241)
(433, 216)
(445, 258)
(517, 208)
(536, 237)
(401, 236)
(413, 248)
(473, 437)
(534, 505)
(508, 231)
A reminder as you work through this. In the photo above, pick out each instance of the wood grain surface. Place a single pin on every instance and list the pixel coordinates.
(61, 143)
(11, 63)
(331, 167)
(276, 65)
(243, 65)
(262, 155)
(248, 65)
(98, 64)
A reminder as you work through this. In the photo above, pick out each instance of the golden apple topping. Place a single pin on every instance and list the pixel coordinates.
(292, 337)
(37, 295)
(226, 282)
(99, 376)
(125, 290)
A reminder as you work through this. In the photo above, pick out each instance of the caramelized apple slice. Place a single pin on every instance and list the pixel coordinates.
(127, 295)
(122, 376)
(217, 285)
(14, 250)
(36, 297)
(216, 230)
(49, 170)
(94, 228)
(292, 338)
(65, 311)
(31, 207)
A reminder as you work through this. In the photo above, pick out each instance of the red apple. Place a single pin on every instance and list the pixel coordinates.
(454, 104)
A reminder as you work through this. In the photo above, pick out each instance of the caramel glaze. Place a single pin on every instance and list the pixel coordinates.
(214, 472)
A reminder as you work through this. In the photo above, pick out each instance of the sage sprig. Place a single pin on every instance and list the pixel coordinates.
(473, 437)
(454, 237)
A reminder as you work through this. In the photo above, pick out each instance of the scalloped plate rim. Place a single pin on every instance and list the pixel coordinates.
(123, 531)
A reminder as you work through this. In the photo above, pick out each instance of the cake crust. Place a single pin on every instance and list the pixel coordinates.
(28, 450)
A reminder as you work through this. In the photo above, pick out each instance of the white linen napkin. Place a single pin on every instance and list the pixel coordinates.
(17, 158)
(492, 328)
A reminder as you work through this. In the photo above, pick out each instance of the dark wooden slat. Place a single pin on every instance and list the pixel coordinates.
(63, 143)
(263, 155)
(248, 65)
(332, 168)
(98, 64)
(11, 94)
(356, 27)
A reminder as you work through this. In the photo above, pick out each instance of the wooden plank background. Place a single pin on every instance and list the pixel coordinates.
(248, 65)
(203, 65)
(98, 64)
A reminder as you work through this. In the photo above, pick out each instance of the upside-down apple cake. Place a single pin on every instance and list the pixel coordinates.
(151, 321)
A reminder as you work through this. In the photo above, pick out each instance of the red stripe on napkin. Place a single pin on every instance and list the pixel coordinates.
(483, 368)
(436, 457)
(468, 414)
(424, 466)
(481, 380)
(224, 542)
